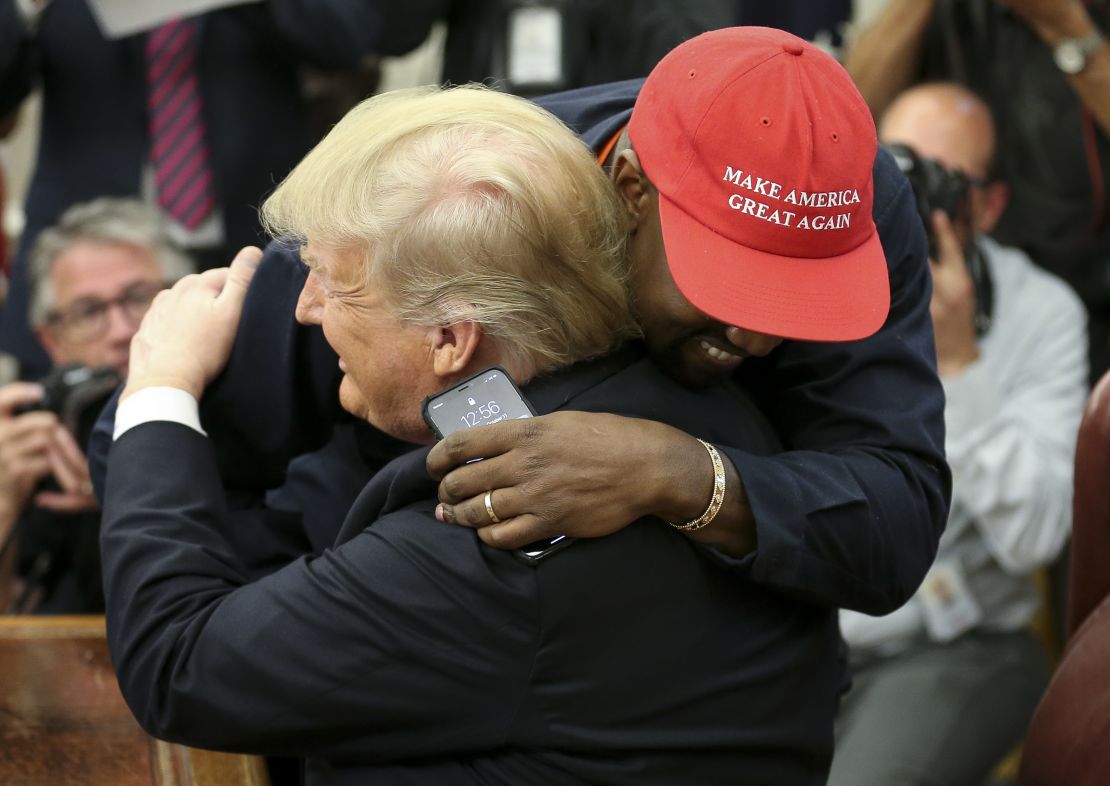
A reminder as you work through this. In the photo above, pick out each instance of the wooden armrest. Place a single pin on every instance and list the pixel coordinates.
(64, 722)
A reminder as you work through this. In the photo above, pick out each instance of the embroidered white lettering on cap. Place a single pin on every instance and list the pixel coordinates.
(762, 149)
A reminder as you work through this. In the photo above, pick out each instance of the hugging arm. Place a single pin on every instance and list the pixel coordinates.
(348, 655)
(848, 516)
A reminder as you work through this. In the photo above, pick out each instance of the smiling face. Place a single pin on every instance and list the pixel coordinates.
(688, 345)
(387, 365)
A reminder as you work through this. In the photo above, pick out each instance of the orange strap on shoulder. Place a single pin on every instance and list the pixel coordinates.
(603, 155)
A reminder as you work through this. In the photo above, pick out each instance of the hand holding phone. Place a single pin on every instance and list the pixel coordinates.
(488, 397)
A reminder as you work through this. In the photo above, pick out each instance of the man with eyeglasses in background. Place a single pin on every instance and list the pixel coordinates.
(94, 274)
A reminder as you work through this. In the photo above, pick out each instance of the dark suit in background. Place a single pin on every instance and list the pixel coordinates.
(602, 40)
(803, 18)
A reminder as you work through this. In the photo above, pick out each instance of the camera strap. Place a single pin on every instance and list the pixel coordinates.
(980, 272)
(1094, 168)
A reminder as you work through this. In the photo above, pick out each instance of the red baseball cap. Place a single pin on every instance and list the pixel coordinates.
(761, 149)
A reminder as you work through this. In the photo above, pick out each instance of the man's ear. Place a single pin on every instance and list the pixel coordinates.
(454, 346)
(991, 201)
(632, 186)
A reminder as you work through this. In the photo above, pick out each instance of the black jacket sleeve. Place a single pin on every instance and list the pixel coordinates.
(851, 514)
(329, 33)
(278, 395)
(352, 655)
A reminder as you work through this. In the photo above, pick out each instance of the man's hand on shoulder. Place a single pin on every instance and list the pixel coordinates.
(186, 336)
(568, 473)
(579, 474)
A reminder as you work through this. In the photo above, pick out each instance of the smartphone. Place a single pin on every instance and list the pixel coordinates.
(488, 397)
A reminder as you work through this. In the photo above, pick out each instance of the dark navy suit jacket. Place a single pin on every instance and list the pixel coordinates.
(848, 517)
(413, 653)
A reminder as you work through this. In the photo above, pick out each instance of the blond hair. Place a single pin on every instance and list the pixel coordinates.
(468, 204)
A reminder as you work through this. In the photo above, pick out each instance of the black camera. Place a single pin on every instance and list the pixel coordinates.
(76, 394)
(935, 187)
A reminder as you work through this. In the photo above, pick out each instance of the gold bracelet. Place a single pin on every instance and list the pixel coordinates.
(716, 500)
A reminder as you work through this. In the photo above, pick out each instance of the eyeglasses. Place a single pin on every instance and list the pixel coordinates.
(87, 318)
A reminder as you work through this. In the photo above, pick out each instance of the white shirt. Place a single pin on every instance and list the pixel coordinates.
(1011, 419)
(164, 404)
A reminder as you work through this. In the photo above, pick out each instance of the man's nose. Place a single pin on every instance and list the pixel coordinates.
(752, 343)
(309, 302)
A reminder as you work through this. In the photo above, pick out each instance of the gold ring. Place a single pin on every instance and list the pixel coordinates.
(489, 508)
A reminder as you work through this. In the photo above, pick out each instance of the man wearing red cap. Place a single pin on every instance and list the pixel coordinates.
(749, 171)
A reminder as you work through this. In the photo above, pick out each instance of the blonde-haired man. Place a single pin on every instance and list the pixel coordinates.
(440, 189)
(445, 231)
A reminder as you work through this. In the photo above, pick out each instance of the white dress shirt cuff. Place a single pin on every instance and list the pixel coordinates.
(166, 404)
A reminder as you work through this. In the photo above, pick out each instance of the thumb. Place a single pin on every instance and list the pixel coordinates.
(239, 275)
(17, 395)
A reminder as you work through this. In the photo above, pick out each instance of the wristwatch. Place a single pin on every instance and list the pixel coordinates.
(1073, 54)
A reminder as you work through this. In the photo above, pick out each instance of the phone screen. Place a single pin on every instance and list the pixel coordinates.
(488, 397)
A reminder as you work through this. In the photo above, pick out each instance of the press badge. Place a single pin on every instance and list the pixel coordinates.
(946, 602)
(535, 47)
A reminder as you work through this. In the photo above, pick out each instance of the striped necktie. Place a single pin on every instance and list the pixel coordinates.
(178, 152)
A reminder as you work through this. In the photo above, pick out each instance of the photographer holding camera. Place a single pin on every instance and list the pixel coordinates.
(1011, 351)
(94, 275)
(1043, 66)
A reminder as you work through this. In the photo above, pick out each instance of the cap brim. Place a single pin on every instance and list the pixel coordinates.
(838, 298)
